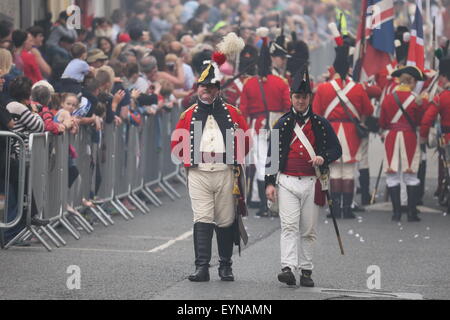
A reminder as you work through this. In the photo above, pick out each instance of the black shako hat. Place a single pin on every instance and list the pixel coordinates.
(248, 59)
(264, 61)
(402, 37)
(301, 82)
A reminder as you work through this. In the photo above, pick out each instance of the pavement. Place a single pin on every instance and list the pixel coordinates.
(151, 256)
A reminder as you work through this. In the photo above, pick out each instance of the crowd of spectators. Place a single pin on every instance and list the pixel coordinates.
(146, 57)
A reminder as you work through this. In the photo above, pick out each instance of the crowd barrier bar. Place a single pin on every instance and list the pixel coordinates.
(9, 136)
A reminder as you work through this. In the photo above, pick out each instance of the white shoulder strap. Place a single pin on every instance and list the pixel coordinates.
(335, 102)
(344, 98)
(405, 104)
(305, 141)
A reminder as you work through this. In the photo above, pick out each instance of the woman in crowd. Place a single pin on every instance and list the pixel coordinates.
(23, 58)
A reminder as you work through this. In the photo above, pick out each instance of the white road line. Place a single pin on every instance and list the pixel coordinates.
(171, 242)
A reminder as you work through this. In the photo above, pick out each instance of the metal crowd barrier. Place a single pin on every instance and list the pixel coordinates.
(130, 161)
(7, 185)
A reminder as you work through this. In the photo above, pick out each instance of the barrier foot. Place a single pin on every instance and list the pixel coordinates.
(138, 203)
(99, 210)
(17, 237)
(141, 200)
(152, 196)
(125, 210)
(181, 179)
(119, 208)
(50, 236)
(41, 240)
(83, 223)
(56, 234)
(166, 191)
(98, 216)
(66, 224)
(81, 220)
(169, 186)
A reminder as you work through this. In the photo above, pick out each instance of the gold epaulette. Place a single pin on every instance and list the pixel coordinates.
(183, 115)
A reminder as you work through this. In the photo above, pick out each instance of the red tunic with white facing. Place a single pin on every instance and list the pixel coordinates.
(184, 135)
(401, 144)
(326, 104)
(298, 163)
(440, 105)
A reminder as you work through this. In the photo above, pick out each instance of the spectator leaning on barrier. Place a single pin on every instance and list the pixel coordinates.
(41, 95)
(26, 117)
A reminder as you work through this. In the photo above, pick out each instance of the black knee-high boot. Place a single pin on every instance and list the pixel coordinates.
(347, 199)
(225, 243)
(262, 212)
(394, 194)
(203, 233)
(364, 182)
(413, 192)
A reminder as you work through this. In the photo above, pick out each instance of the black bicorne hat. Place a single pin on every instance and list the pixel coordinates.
(413, 71)
(301, 82)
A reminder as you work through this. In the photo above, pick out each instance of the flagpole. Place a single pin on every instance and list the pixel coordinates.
(359, 64)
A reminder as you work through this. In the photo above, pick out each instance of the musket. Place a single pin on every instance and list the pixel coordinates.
(443, 157)
(330, 206)
(434, 43)
(375, 191)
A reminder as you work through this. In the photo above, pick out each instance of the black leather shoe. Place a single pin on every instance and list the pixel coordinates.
(201, 274)
(39, 222)
(286, 276)
(226, 273)
(306, 280)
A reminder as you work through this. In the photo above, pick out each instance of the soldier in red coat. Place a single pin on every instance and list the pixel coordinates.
(439, 106)
(401, 113)
(342, 112)
(209, 138)
(265, 98)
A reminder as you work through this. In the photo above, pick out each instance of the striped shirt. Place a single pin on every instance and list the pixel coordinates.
(26, 122)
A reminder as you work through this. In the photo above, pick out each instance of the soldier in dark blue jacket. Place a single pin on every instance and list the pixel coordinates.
(298, 178)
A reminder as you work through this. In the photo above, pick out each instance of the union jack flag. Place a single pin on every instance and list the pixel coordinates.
(375, 38)
(416, 53)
